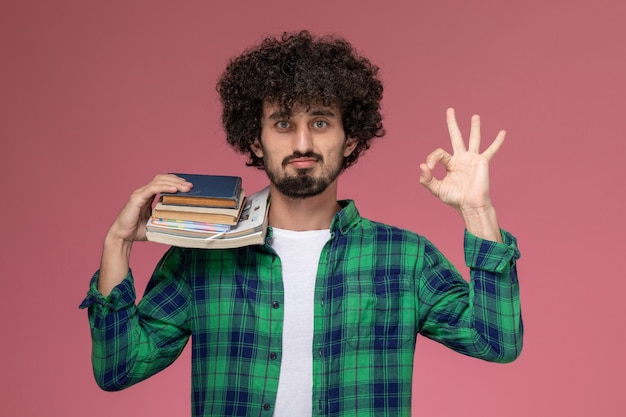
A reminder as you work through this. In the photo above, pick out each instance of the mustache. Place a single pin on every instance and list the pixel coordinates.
(297, 155)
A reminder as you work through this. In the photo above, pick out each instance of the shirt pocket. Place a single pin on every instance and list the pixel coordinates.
(380, 313)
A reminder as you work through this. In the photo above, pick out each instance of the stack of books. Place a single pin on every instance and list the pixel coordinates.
(215, 213)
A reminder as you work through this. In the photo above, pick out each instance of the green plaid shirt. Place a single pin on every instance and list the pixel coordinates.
(377, 287)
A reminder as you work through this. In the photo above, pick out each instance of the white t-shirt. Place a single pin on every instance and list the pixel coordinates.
(299, 253)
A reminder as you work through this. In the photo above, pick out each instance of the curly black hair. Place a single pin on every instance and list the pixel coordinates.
(299, 69)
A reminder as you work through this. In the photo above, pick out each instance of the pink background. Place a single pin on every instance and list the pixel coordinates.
(98, 96)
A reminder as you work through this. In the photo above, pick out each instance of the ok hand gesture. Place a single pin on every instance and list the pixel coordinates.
(466, 183)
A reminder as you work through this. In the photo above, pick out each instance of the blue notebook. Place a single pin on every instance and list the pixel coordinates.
(207, 191)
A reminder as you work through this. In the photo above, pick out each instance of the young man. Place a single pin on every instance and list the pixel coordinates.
(322, 319)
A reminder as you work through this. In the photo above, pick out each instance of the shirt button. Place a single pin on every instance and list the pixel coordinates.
(322, 301)
(266, 407)
(273, 355)
(275, 304)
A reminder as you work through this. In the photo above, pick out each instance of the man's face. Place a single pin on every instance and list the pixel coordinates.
(302, 151)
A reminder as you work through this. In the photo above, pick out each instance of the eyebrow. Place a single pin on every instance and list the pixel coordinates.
(281, 114)
(322, 112)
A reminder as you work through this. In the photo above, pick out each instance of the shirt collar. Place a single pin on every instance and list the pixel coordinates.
(346, 218)
(342, 221)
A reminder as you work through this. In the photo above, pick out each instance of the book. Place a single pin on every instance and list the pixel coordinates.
(207, 191)
(230, 211)
(185, 225)
(251, 228)
(228, 216)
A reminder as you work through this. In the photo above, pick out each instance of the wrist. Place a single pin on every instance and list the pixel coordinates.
(116, 244)
(115, 262)
(482, 222)
(481, 211)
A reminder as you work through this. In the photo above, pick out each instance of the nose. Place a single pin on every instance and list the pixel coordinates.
(303, 139)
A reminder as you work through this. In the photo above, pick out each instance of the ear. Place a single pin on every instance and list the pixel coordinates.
(257, 148)
(349, 146)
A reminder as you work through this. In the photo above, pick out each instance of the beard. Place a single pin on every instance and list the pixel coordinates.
(303, 184)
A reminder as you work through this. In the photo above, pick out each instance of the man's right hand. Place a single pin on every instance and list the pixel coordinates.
(129, 226)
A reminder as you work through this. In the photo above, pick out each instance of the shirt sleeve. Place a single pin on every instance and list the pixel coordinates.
(481, 318)
(132, 342)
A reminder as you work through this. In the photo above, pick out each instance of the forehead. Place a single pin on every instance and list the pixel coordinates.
(273, 110)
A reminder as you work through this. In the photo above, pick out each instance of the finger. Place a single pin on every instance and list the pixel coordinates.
(172, 179)
(143, 197)
(474, 138)
(169, 183)
(426, 175)
(177, 178)
(160, 184)
(438, 156)
(495, 145)
(455, 133)
(427, 179)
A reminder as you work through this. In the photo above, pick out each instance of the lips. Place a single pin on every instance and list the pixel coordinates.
(303, 162)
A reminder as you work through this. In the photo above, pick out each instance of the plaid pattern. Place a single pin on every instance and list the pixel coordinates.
(377, 288)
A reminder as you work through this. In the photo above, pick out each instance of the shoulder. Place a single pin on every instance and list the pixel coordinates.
(388, 237)
(350, 221)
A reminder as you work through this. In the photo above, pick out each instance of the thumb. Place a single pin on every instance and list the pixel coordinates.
(426, 177)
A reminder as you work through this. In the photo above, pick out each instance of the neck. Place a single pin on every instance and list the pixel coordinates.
(313, 213)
